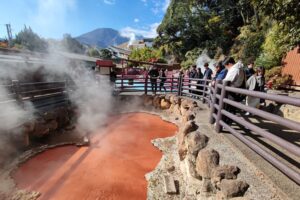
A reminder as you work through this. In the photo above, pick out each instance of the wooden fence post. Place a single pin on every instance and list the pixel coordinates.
(146, 84)
(213, 102)
(204, 90)
(218, 127)
(179, 85)
(172, 83)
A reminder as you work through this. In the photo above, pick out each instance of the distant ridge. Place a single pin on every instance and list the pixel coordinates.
(102, 38)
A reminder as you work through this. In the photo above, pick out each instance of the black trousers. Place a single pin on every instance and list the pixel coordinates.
(153, 85)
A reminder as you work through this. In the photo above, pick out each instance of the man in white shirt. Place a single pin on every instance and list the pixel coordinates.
(235, 74)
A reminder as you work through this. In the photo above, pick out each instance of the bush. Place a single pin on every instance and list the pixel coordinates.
(278, 80)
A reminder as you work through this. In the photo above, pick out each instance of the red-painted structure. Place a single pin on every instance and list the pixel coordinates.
(104, 66)
(291, 65)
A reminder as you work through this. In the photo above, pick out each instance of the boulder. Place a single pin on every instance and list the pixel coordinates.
(52, 125)
(41, 129)
(175, 109)
(195, 142)
(225, 172)
(233, 188)
(63, 117)
(190, 163)
(51, 115)
(165, 104)
(28, 127)
(175, 99)
(208, 187)
(156, 101)
(188, 117)
(206, 162)
(189, 127)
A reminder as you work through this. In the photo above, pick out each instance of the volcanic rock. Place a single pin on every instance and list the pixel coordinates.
(165, 104)
(189, 127)
(225, 172)
(195, 142)
(233, 188)
(206, 162)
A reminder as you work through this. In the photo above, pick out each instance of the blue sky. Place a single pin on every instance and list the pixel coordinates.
(53, 18)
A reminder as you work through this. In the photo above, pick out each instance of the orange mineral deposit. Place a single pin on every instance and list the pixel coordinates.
(112, 167)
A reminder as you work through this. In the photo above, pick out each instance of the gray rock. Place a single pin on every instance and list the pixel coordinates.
(195, 142)
(206, 162)
(189, 127)
(233, 188)
(225, 172)
(165, 104)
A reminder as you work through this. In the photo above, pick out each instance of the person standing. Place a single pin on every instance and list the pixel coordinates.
(221, 72)
(163, 78)
(255, 83)
(208, 72)
(193, 75)
(153, 75)
(237, 78)
(250, 70)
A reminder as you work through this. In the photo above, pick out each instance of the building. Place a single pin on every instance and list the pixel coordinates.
(291, 65)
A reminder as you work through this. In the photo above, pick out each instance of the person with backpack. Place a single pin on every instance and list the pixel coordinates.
(255, 83)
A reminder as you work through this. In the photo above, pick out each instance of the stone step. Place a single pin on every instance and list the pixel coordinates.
(169, 182)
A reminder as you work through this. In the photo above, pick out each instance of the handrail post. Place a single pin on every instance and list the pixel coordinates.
(172, 83)
(213, 101)
(204, 90)
(146, 84)
(16, 89)
(218, 127)
(179, 85)
(122, 82)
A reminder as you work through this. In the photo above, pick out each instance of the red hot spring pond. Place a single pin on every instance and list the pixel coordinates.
(112, 167)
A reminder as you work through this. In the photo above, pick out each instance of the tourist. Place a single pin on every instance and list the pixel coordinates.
(250, 70)
(236, 76)
(153, 75)
(113, 76)
(193, 75)
(200, 76)
(221, 73)
(255, 83)
(208, 72)
(163, 79)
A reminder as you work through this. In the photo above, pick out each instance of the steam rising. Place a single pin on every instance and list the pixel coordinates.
(204, 58)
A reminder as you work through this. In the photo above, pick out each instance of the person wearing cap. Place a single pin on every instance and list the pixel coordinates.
(221, 72)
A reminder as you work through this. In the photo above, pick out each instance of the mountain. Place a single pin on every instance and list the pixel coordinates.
(102, 37)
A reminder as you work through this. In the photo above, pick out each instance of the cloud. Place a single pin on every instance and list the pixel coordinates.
(148, 32)
(166, 5)
(160, 6)
(50, 16)
(136, 20)
(109, 2)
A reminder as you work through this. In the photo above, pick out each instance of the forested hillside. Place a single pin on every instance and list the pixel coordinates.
(251, 30)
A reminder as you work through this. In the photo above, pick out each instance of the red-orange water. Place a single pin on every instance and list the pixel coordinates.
(113, 167)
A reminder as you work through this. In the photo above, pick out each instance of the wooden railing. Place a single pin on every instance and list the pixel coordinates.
(218, 100)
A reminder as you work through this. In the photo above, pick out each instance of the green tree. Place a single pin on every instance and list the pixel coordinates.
(93, 52)
(72, 45)
(146, 54)
(27, 39)
(105, 54)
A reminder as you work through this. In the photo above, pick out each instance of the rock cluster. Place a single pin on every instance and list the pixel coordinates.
(201, 162)
(46, 123)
